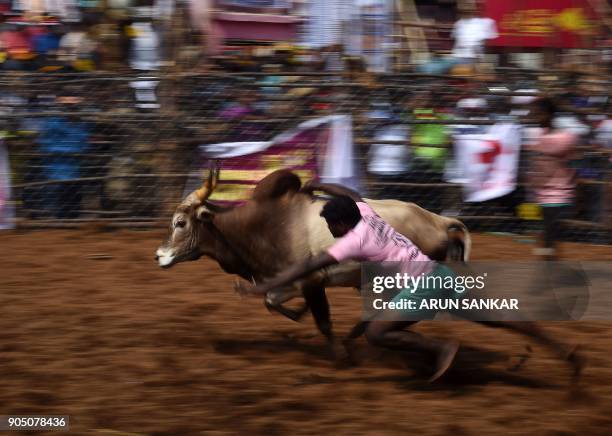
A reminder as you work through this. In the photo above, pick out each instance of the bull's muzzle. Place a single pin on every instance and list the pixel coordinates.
(164, 257)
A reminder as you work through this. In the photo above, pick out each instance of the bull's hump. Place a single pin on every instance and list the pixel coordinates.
(276, 185)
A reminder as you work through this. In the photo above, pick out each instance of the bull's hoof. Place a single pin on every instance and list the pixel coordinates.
(277, 297)
(294, 315)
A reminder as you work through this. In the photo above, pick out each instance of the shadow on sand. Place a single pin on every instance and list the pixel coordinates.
(469, 372)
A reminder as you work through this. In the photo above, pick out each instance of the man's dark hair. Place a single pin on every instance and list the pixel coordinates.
(547, 105)
(341, 209)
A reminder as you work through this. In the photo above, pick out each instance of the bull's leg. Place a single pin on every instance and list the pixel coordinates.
(357, 331)
(274, 302)
(319, 306)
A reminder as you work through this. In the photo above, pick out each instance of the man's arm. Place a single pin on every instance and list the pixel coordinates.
(332, 189)
(289, 275)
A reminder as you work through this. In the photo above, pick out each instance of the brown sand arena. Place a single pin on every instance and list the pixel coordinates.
(90, 327)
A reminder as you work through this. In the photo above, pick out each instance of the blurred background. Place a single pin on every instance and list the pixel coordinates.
(110, 112)
(111, 108)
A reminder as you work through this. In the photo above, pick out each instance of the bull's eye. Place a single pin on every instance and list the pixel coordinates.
(180, 223)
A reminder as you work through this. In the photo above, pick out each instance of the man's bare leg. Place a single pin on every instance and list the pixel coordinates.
(532, 330)
(392, 334)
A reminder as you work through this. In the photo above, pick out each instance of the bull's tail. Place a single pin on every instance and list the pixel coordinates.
(459, 244)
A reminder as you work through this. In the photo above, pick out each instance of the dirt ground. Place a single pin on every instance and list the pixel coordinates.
(91, 327)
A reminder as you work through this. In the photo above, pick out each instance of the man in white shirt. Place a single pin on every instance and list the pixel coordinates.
(388, 159)
(144, 54)
(470, 33)
(76, 45)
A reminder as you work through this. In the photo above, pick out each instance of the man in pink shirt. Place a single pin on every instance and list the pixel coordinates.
(362, 235)
(552, 179)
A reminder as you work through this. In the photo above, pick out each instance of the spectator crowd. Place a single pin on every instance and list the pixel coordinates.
(97, 41)
(404, 131)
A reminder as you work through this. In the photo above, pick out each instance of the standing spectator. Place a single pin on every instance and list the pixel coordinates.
(470, 33)
(45, 43)
(332, 57)
(144, 50)
(18, 48)
(603, 134)
(430, 141)
(77, 49)
(3, 49)
(596, 167)
(64, 138)
(604, 139)
(388, 162)
(553, 180)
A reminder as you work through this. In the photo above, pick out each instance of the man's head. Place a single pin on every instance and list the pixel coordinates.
(341, 214)
(469, 11)
(544, 110)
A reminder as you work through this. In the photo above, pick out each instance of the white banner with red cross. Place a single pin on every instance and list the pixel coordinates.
(487, 164)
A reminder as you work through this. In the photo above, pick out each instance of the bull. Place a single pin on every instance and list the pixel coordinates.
(279, 226)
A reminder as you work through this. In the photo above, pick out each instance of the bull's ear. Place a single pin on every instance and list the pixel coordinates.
(204, 214)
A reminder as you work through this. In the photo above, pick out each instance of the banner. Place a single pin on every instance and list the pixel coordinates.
(543, 23)
(487, 164)
(7, 212)
(319, 149)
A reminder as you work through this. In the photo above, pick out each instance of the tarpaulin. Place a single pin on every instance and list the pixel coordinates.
(543, 23)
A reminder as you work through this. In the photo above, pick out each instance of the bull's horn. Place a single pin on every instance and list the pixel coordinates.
(210, 184)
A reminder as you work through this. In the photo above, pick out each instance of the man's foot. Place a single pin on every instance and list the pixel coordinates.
(445, 359)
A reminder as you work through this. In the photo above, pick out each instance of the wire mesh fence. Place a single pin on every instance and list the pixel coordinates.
(121, 149)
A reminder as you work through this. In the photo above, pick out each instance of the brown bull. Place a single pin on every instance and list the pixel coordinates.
(280, 226)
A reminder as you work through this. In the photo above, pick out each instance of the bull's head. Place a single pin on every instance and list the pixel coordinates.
(183, 243)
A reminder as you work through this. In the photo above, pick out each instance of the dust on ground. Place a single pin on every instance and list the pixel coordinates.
(92, 328)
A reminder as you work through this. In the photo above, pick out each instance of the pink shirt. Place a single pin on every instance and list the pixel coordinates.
(552, 178)
(373, 240)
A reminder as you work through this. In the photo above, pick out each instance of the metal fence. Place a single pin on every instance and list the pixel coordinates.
(117, 149)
